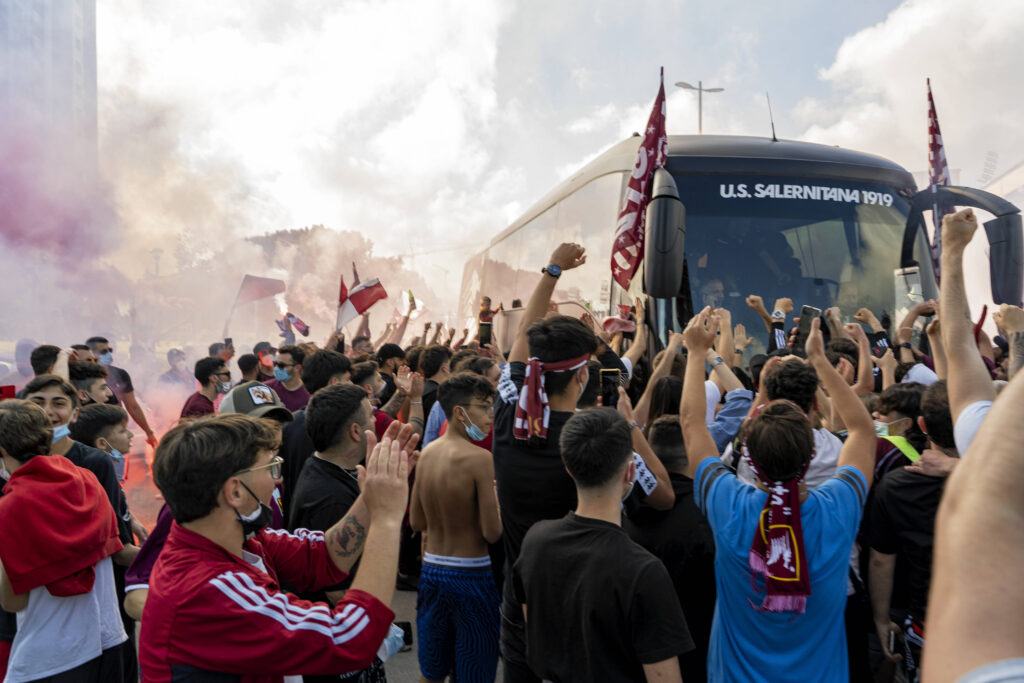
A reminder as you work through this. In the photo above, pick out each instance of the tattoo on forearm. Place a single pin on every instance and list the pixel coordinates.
(1016, 343)
(349, 538)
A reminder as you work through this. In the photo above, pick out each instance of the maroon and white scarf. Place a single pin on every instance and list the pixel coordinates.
(777, 552)
(532, 409)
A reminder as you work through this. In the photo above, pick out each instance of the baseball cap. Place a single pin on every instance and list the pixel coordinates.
(255, 399)
(263, 346)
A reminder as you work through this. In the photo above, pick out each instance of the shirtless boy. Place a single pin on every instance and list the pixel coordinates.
(455, 505)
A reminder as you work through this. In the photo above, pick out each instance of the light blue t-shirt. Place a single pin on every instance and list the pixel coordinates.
(750, 645)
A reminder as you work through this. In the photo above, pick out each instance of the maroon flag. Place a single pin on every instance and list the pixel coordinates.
(255, 288)
(628, 249)
(938, 174)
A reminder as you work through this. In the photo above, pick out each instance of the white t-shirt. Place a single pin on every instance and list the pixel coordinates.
(822, 468)
(58, 634)
(968, 424)
(713, 396)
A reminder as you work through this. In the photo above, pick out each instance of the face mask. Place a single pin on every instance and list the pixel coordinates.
(59, 433)
(281, 375)
(4, 473)
(118, 458)
(106, 358)
(881, 428)
(223, 387)
(257, 520)
(472, 431)
(583, 385)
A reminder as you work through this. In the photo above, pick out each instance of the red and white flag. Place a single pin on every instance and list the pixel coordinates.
(938, 174)
(628, 249)
(353, 303)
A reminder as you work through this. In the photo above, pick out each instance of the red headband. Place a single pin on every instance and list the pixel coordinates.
(532, 409)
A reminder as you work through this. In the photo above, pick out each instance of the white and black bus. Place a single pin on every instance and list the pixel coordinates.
(822, 225)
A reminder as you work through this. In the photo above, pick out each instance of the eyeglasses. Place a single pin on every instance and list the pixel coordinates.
(274, 466)
(284, 365)
(489, 407)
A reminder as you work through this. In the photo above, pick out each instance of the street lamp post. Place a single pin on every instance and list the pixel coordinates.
(700, 100)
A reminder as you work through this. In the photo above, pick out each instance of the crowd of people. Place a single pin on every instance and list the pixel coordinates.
(845, 506)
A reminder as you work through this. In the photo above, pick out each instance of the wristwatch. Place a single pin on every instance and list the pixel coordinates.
(553, 270)
(718, 360)
(906, 345)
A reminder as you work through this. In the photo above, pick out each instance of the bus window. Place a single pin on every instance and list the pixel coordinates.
(588, 217)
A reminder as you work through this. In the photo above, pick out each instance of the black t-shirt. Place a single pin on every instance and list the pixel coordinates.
(296, 449)
(429, 396)
(903, 524)
(681, 538)
(532, 485)
(599, 606)
(389, 388)
(120, 382)
(323, 494)
(100, 464)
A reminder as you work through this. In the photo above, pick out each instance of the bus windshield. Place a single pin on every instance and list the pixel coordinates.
(820, 242)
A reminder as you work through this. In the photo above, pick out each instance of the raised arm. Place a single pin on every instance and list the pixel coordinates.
(835, 323)
(976, 602)
(636, 351)
(865, 377)
(859, 448)
(723, 374)
(643, 406)
(566, 256)
(346, 539)
(1010, 320)
(934, 331)
(969, 380)
(699, 336)
(724, 343)
(662, 497)
(756, 304)
(865, 316)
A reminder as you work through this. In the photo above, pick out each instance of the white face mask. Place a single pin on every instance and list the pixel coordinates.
(4, 473)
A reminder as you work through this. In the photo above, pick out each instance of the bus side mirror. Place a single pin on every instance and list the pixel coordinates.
(663, 245)
(1006, 258)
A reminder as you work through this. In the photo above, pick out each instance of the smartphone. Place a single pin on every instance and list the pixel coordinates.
(611, 380)
(485, 333)
(227, 341)
(807, 316)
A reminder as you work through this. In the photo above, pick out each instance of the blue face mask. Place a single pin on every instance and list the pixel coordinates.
(60, 432)
(472, 431)
(118, 458)
(281, 375)
(106, 358)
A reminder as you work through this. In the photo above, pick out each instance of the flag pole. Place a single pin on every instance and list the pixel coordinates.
(231, 312)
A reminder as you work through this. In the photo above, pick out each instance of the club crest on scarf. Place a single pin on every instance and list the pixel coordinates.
(778, 552)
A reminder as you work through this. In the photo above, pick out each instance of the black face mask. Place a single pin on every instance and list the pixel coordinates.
(257, 520)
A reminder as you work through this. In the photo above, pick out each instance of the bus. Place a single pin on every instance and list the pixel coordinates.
(821, 225)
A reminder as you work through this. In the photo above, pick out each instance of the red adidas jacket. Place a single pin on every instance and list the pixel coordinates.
(211, 612)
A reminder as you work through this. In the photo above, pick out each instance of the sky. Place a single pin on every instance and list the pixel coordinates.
(429, 126)
(416, 131)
